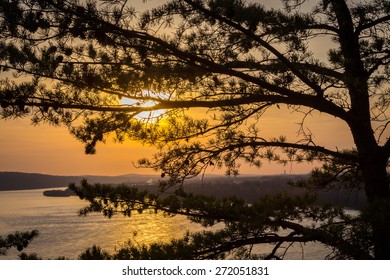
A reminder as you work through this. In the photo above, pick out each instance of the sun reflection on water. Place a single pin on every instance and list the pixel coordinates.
(64, 233)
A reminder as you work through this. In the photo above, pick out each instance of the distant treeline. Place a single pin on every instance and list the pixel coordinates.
(247, 187)
(23, 181)
(254, 187)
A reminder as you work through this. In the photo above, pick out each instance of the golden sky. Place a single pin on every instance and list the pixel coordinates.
(53, 150)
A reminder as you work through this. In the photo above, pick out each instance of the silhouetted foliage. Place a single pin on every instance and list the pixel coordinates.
(272, 219)
(19, 240)
(31, 256)
(94, 253)
(234, 58)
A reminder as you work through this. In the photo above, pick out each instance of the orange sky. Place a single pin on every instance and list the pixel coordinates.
(53, 150)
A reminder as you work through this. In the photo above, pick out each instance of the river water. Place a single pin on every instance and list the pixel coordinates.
(64, 233)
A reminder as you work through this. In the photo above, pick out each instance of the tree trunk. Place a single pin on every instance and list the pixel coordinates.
(373, 163)
(378, 212)
(372, 158)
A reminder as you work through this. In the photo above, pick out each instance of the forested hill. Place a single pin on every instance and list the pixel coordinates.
(248, 187)
(22, 181)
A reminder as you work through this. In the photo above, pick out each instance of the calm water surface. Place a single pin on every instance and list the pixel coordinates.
(64, 233)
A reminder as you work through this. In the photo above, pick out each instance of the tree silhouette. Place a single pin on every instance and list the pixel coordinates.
(236, 59)
(20, 240)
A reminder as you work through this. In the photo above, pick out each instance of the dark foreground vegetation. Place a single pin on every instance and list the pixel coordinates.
(213, 69)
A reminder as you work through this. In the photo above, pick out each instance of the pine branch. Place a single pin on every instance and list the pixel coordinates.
(303, 147)
(371, 24)
(263, 43)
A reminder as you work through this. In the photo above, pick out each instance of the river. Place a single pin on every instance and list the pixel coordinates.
(64, 233)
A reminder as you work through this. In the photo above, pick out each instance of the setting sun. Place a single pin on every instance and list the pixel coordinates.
(151, 115)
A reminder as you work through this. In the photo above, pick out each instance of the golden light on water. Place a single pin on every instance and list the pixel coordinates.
(57, 220)
(151, 228)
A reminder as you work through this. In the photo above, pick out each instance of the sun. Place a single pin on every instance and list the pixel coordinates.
(146, 115)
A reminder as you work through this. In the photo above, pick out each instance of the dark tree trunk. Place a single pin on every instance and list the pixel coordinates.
(372, 158)
(378, 215)
(373, 163)
(378, 212)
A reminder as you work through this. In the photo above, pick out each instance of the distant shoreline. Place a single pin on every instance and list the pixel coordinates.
(249, 188)
(25, 181)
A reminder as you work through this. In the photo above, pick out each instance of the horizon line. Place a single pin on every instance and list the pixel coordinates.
(151, 174)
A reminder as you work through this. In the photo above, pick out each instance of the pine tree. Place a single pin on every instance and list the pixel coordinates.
(236, 59)
(19, 240)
